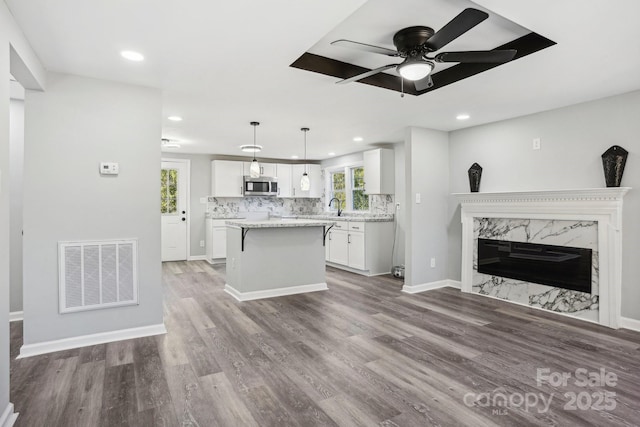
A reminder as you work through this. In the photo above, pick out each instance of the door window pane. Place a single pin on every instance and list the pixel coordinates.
(169, 191)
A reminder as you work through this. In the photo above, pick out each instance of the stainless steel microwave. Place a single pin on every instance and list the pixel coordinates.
(262, 186)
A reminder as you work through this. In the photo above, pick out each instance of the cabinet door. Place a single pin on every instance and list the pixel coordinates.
(266, 169)
(296, 176)
(283, 172)
(209, 239)
(379, 172)
(315, 176)
(226, 178)
(339, 251)
(356, 250)
(219, 239)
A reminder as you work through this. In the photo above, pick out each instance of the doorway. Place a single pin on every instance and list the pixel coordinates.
(174, 197)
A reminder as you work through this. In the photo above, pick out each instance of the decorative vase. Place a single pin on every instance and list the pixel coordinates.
(613, 161)
(475, 174)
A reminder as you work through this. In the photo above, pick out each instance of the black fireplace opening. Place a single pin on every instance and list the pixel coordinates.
(560, 266)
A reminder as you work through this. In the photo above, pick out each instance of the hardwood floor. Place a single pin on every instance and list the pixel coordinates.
(360, 354)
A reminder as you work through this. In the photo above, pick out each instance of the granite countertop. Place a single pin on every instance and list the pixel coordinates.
(209, 216)
(279, 223)
(362, 218)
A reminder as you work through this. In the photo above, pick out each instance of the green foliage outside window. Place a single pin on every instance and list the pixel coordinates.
(168, 191)
(338, 190)
(360, 199)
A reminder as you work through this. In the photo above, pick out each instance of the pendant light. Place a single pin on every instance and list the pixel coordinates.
(305, 184)
(254, 170)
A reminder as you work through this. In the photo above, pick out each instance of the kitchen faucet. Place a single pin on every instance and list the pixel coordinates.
(339, 210)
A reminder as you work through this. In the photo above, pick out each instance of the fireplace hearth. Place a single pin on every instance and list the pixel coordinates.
(563, 267)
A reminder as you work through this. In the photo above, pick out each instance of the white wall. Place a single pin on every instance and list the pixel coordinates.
(400, 198)
(16, 57)
(426, 172)
(16, 153)
(77, 123)
(573, 139)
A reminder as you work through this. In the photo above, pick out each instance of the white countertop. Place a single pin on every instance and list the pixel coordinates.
(279, 223)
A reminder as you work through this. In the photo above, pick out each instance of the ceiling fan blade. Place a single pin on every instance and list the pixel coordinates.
(367, 74)
(478, 57)
(423, 84)
(365, 47)
(466, 20)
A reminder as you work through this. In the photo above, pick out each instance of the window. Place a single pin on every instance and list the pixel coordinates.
(347, 185)
(169, 191)
(360, 201)
(338, 190)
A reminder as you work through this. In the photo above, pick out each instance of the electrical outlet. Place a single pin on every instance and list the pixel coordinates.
(433, 263)
(417, 197)
(536, 143)
(202, 243)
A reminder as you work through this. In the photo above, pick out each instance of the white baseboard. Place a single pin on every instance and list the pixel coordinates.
(8, 417)
(197, 258)
(278, 292)
(632, 324)
(430, 286)
(29, 350)
(16, 316)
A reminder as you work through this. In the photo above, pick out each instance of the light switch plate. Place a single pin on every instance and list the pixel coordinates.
(109, 168)
(417, 197)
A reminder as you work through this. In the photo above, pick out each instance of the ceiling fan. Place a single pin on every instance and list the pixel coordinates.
(415, 43)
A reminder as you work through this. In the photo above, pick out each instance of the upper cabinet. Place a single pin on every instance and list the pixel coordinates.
(266, 169)
(315, 179)
(283, 172)
(379, 171)
(226, 178)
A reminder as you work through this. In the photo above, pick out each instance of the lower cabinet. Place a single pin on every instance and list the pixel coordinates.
(216, 240)
(361, 247)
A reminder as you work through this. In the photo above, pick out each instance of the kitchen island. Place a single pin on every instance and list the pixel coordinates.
(275, 257)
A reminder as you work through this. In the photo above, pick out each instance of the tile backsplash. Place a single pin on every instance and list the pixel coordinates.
(232, 206)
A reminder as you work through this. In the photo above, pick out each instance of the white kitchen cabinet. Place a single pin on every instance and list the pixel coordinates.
(356, 250)
(361, 247)
(315, 178)
(379, 171)
(226, 178)
(339, 247)
(283, 172)
(266, 169)
(216, 240)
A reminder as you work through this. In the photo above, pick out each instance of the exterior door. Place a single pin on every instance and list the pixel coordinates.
(173, 208)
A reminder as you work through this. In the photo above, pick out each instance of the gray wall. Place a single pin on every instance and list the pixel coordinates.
(400, 197)
(200, 187)
(16, 57)
(427, 173)
(16, 152)
(572, 138)
(77, 123)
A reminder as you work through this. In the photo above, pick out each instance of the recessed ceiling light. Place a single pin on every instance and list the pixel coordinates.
(175, 118)
(251, 148)
(294, 157)
(167, 143)
(462, 116)
(132, 56)
(332, 153)
(358, 139)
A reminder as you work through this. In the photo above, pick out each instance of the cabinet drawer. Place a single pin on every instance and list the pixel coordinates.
(356, 226)
(341, 225)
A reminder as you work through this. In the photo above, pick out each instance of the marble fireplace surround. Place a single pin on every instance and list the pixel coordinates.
(603, 205)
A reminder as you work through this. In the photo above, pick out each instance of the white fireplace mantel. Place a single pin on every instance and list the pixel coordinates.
(603, 205)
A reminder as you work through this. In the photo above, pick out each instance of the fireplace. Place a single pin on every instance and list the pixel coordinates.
(563, 267)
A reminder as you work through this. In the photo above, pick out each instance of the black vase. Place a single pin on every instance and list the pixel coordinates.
(475, 174)
(613, 161)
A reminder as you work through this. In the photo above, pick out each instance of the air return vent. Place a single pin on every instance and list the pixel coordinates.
(96, 275)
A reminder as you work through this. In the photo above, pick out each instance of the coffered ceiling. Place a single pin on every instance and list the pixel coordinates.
(221, 65)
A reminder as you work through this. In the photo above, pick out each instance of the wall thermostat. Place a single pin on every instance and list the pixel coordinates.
(109, 168)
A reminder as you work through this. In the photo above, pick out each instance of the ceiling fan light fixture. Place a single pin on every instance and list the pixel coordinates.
(415, 69)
